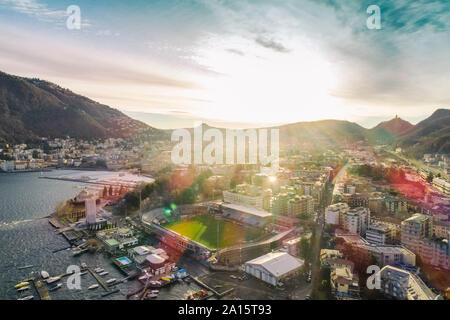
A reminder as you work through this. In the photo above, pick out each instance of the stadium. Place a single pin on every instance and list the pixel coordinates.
(202, 229)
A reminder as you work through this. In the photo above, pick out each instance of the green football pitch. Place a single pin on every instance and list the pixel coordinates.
(203, 229)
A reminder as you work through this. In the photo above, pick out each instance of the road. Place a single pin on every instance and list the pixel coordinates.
(315, 263)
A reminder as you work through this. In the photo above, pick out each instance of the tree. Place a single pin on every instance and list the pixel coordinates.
(430, 177)
(305, 248)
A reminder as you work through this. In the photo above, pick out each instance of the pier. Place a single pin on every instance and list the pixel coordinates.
(41, 289)
(100, 280)
(204, 285)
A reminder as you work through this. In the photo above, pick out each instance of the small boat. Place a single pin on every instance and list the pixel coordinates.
(83, 273)
(25, 267)
(104, 273)
(94, 286)
(59, 285)
(98, 270)
(152, 295)
(22, 284)
(23, 288)
(26, 298)
(44, 274)
(111, 280)
(155, 291)
(53, 279)
(83, 265)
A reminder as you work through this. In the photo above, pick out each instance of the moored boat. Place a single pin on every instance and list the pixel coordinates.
(23, 288)
(22, 284)
(59, 285)
(94, 286)
(53, 279)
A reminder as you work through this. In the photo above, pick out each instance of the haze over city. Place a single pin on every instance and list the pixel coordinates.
(231, 62)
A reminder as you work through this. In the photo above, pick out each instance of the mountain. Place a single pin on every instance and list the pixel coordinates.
(388, 131)
(323, 133)
(32, 108)
(429, 135)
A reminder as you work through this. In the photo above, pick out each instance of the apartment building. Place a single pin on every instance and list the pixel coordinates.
(335, 212)
(356, 220)
(378, 233)
(417, 235)
(300, 205)
(404, 285)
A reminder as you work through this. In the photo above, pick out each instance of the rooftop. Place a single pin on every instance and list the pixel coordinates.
(277, 263)
(248, 210)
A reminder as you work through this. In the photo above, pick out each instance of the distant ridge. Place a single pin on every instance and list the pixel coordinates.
(32, 108)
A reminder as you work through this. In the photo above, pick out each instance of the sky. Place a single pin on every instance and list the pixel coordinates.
(172, 63)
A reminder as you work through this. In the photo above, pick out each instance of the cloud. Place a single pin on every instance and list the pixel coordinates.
(271, 44)
(40, 11)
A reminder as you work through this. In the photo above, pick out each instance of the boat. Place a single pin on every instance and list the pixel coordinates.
(104, 273)
(111, 280)
(44, 274)
(98, 270)
(94, 286)
(152, 295)
(25, 267)
(59, 285)
(53, 279)
(22, 284)
(26, 298)
(83, 273)
(23, 288)
(155, 291)
(84, 265)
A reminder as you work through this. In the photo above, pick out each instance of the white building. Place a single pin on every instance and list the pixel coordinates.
(8, 166)
(273, 267)
(357, 220)
(379, 234)
(335, 212)
(91, 210)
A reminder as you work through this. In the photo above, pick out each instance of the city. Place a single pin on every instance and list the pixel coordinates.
(224, 152)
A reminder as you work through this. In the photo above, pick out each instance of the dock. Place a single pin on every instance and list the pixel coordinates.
(41, 289)
(100, 280)
(204, 285)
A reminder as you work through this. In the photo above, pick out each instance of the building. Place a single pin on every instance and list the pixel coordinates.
(292, 246)
(300, 205)
(376, 203)
(8, 166)
(441, 229)
(357, 220)
(356, 200)
(344, 284)
(394, 205)
(280, 204)
(404, 285)
(326, 254)
(417, 235)
(442, 185)
(246, 215)
(246, 195)
(335, 212)
(378, 233)
(91, 210)
(274, 267)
